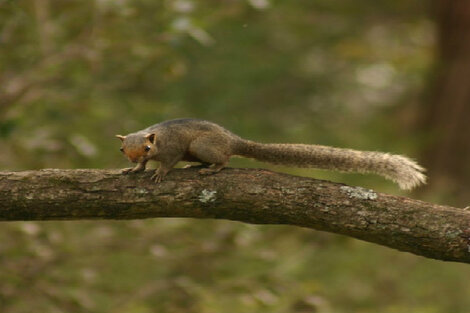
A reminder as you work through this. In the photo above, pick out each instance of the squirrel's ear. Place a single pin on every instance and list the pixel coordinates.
(150, 137)
(121, 137)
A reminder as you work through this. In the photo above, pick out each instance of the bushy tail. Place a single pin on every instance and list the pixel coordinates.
(402, 170)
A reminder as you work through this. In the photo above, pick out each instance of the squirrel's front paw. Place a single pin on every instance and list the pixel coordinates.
(126, 170)
(133, 170)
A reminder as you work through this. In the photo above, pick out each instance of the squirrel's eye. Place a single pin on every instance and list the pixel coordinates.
(121, 149)
(147, 148)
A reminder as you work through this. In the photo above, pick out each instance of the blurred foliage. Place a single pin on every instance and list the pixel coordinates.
(345, 73)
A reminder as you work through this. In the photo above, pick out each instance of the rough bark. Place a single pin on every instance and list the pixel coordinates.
(251, 196)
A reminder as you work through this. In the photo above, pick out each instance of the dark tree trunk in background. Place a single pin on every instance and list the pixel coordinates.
(447, 113)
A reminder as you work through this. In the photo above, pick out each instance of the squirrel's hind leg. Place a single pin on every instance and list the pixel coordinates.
(201, 165)
(212, 150)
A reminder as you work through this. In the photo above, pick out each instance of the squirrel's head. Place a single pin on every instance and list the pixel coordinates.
(138, 147)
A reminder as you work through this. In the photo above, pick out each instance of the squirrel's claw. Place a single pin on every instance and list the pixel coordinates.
(157, 178)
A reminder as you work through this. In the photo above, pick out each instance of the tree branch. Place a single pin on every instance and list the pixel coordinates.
(246, 195)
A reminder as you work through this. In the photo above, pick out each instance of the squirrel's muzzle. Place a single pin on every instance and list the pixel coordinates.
(133, 157)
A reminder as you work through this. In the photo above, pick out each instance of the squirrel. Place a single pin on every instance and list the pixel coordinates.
(196, 140)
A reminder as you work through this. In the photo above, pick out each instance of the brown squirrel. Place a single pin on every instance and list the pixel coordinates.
(195, 140)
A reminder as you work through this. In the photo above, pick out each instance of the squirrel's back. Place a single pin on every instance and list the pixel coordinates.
(190, 125)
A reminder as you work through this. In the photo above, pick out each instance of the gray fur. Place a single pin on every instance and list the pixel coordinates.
(402, 170)
(206, 142)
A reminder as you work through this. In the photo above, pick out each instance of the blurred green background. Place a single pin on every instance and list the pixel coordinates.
(358, 74)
